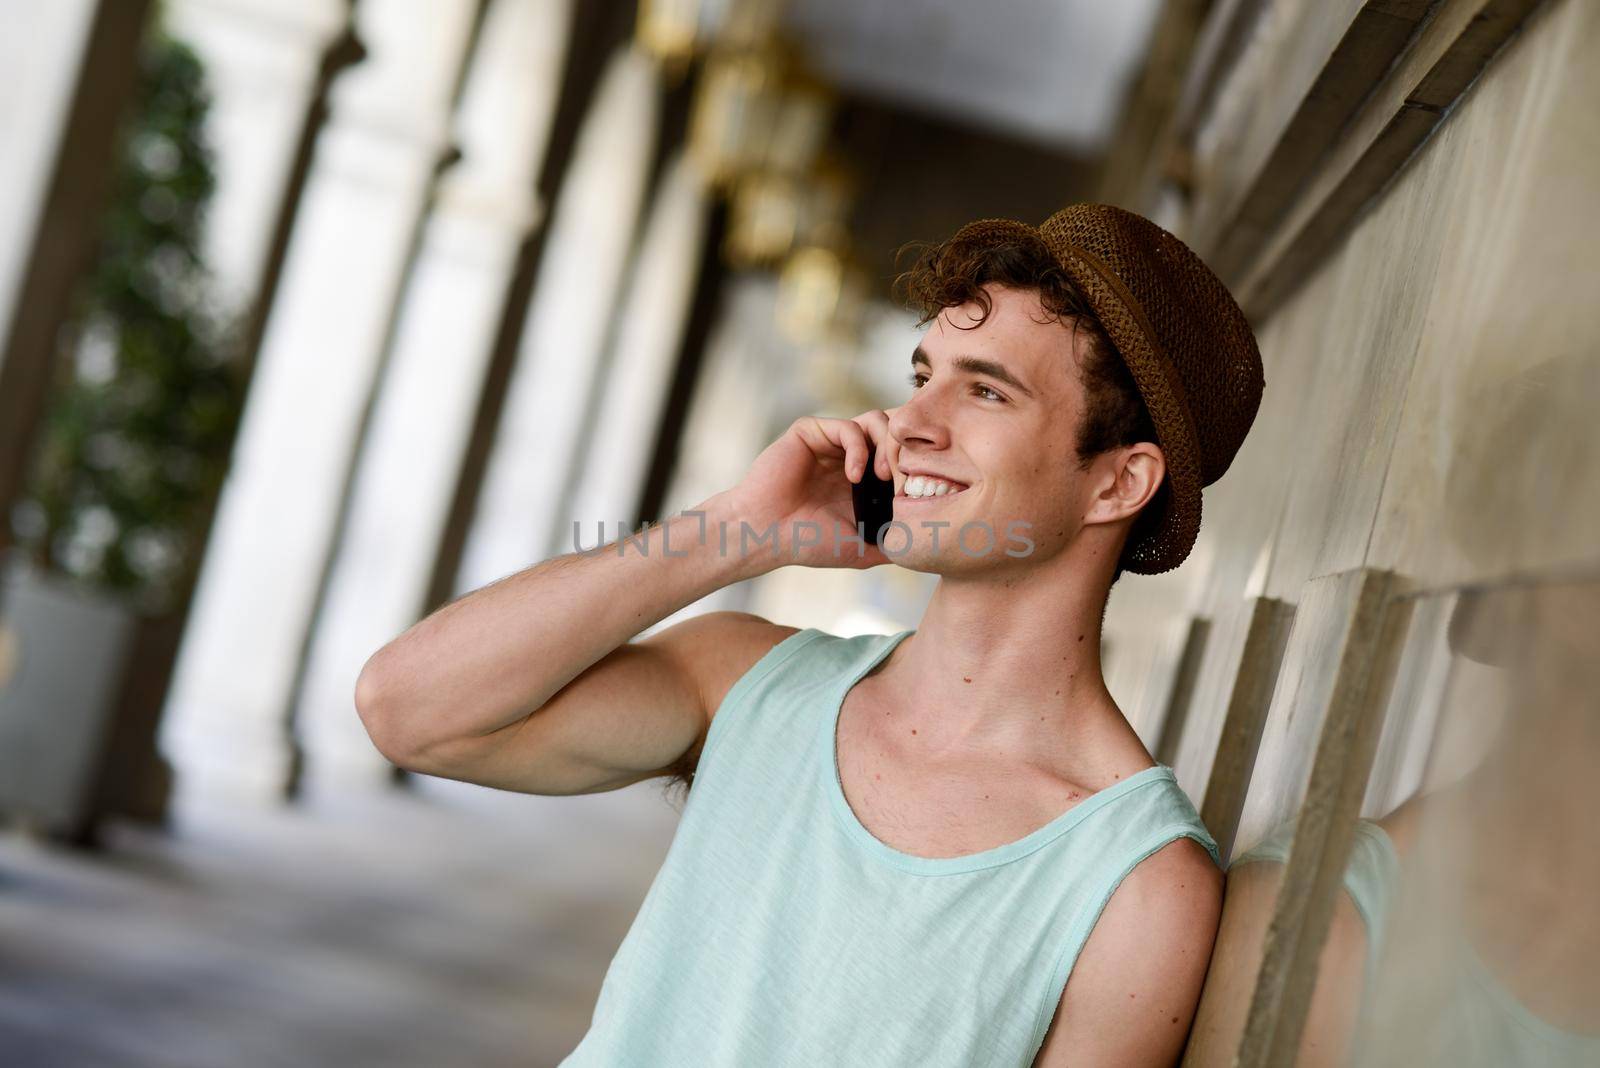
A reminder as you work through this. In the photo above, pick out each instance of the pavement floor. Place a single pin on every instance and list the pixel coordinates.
(442, 925)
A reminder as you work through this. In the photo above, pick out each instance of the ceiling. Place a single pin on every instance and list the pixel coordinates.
(1048, 71)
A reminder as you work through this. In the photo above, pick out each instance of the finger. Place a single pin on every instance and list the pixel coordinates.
(856, 446)
(817, 438)
(837, 437)
(876, 425)
(892, 443)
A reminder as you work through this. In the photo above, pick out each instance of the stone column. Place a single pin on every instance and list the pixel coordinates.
(354, 236)
(611, 470)
(424, 410)
(269, 65)
(594, 32)
(263, 62)
(576, 294)
(69, 67)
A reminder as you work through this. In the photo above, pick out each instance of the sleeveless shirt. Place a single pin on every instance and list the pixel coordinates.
(1485, 1024)
(779, 931)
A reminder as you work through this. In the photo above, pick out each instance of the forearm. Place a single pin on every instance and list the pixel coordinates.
(498, 654)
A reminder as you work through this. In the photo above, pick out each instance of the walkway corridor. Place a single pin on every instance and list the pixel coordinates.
(445, 927)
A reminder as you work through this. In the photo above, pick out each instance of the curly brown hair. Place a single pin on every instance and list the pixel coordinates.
(953, 272)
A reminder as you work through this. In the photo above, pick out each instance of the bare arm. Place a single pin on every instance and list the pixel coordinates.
(640, 711)
(455, 695)
(532, 683)
(1132, 993)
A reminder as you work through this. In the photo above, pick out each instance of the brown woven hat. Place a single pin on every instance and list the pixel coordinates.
(1189, 347)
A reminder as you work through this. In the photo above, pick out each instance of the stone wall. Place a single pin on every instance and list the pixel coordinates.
(1392, 713)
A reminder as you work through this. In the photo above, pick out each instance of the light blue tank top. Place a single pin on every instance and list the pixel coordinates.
(779, 931)
(1486, 1025)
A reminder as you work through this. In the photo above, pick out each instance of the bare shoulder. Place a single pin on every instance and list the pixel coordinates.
(1131, 996)
(715, 649)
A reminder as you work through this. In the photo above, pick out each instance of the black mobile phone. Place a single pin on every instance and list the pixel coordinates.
(874, 498)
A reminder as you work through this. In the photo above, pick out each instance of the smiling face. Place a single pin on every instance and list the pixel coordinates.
(994, 410)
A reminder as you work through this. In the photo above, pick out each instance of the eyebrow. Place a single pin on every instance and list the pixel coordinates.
(975, 365)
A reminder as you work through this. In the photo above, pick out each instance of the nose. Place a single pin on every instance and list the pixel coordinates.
(917, 424)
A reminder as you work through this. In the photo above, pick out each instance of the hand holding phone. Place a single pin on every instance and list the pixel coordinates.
(873, 498)
(805, 482)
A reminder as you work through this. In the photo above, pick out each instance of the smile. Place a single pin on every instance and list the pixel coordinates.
(905, 498)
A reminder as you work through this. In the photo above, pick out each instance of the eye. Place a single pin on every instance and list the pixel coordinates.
(916, 379)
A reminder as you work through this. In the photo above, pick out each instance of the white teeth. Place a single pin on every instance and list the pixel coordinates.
(921, 486)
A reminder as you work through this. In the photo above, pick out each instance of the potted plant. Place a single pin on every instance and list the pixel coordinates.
(132, 447)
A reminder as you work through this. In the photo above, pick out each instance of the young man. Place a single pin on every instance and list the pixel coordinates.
(940, 847)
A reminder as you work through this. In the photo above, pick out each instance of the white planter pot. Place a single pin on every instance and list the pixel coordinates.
(63, 651)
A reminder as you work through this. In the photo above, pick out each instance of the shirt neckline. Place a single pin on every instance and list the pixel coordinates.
(988, 858)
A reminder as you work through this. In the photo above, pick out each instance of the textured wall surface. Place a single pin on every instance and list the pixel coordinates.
(1423, 427)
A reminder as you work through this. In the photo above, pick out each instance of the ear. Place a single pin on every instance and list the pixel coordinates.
(1128, 477)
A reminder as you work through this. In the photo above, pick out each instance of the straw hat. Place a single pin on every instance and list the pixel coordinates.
(1189, 347)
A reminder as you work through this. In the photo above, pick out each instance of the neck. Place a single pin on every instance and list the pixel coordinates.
(1007, 667)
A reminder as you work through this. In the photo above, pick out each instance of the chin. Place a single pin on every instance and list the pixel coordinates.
(949, 558)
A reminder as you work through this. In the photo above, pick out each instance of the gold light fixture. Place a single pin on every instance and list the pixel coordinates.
(800, 122)
(757, 107)
(676, 31)
(831, 188)
(750, 22)
(735, 105)
(669, 30)
(773, 213)
(763, 219)
(822, 293)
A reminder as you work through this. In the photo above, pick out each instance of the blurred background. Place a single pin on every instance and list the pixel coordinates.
(318, 314)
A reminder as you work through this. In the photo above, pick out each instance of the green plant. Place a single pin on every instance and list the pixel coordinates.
(146, 401)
